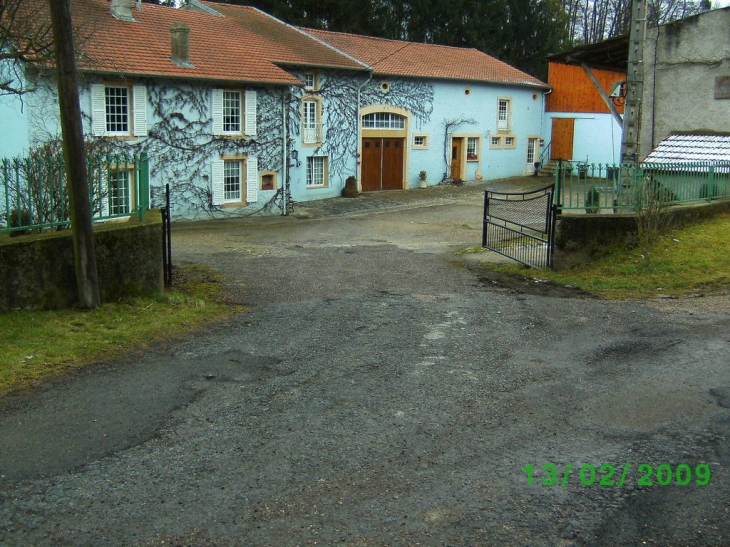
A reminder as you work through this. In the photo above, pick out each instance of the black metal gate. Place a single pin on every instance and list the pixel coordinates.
(521, 226)
(166, 239)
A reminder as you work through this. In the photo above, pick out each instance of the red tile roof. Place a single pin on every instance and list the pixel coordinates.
(398, 58)
(249, 46)
(244, 46)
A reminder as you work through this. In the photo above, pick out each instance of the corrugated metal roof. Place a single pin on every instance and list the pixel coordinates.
(691, 148)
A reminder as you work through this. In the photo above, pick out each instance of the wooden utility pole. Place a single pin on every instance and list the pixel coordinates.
(74, 154)
(634, 84)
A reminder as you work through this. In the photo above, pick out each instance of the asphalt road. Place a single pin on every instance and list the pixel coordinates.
(377, 393)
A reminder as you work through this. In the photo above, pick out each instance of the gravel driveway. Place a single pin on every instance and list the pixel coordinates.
(377, 393)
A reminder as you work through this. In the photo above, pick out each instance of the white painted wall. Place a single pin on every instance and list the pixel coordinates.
(596, 138)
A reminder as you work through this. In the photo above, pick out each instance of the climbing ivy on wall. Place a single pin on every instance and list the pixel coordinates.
(338, 92)
(182, 146)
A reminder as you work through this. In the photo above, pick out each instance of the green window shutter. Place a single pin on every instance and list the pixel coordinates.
(139, 96)
(252, 179)
(250, 113)
(98, 110)
(217, 182)
(217, 112)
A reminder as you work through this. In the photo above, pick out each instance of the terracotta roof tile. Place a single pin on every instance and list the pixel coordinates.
(244, 46)
(399, 58)
(249, 46)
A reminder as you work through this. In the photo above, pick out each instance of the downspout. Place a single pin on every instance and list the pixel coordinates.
(359, 129)
(284, 154)
(542, 122)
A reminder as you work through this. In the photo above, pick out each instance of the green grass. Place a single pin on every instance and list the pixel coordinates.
(685, 261)
(41, 344)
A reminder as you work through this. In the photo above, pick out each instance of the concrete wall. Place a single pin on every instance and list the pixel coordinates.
(682, 61)
(581, 238)
(37, 271)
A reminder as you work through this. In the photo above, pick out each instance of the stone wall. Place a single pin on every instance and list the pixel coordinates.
(37, 271)
(581, 238)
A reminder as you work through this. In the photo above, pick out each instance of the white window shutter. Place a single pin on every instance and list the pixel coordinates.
(217, 112)
(252, 179)
(103, 189)
(250, 108)
(139, 93)
(98, 110)
(217, 179)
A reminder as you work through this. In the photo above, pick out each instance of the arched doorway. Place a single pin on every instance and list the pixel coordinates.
(383, 151)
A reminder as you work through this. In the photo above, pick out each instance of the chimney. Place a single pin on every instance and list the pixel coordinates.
(180, 36)
(122, 9)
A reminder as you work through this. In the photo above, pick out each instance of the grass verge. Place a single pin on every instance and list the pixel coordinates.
(40, 344)
(685, 261)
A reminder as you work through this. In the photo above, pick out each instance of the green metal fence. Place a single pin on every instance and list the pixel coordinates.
(33, 193)
(613, 188)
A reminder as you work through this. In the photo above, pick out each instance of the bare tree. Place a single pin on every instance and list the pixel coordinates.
(592, 21)
(24, 38)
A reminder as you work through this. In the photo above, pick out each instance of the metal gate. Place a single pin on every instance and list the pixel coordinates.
(166, 239)
(521, 226)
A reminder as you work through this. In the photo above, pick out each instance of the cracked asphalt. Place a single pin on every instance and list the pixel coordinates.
(375, 392)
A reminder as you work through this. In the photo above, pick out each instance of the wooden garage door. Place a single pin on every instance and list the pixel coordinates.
(382, 164)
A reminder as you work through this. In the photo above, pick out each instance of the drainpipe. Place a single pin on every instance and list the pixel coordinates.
(284, 154)
(542, 120)
(359, 130)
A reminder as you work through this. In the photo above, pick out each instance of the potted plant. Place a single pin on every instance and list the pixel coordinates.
(422, 179)
(593, 201)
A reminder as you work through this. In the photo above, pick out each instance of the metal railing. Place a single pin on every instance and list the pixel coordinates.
(312, 133)
(34, 196)
(614, 188)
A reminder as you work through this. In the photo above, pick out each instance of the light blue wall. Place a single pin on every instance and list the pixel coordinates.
(429, 104)
(14, 128)
(180, 144)
(182, 148)
(481, 103)
(596, 137)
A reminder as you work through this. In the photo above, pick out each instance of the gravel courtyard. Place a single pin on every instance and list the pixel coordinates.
(377, 392)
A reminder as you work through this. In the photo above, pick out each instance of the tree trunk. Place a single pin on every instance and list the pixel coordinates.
(87, 280)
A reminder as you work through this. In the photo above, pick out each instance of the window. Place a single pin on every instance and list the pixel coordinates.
(231, 112)
(310, 81)
(235, 180)
(231, 180)
(234, 112)
(118, 110)
(119, 192)
(472, 148)
(383, 120)
(531, 150)
(268, 181)
(503, 141)
(420, 141)
(503, 114)
(316, 171)
(311, 123)
(116, 102)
